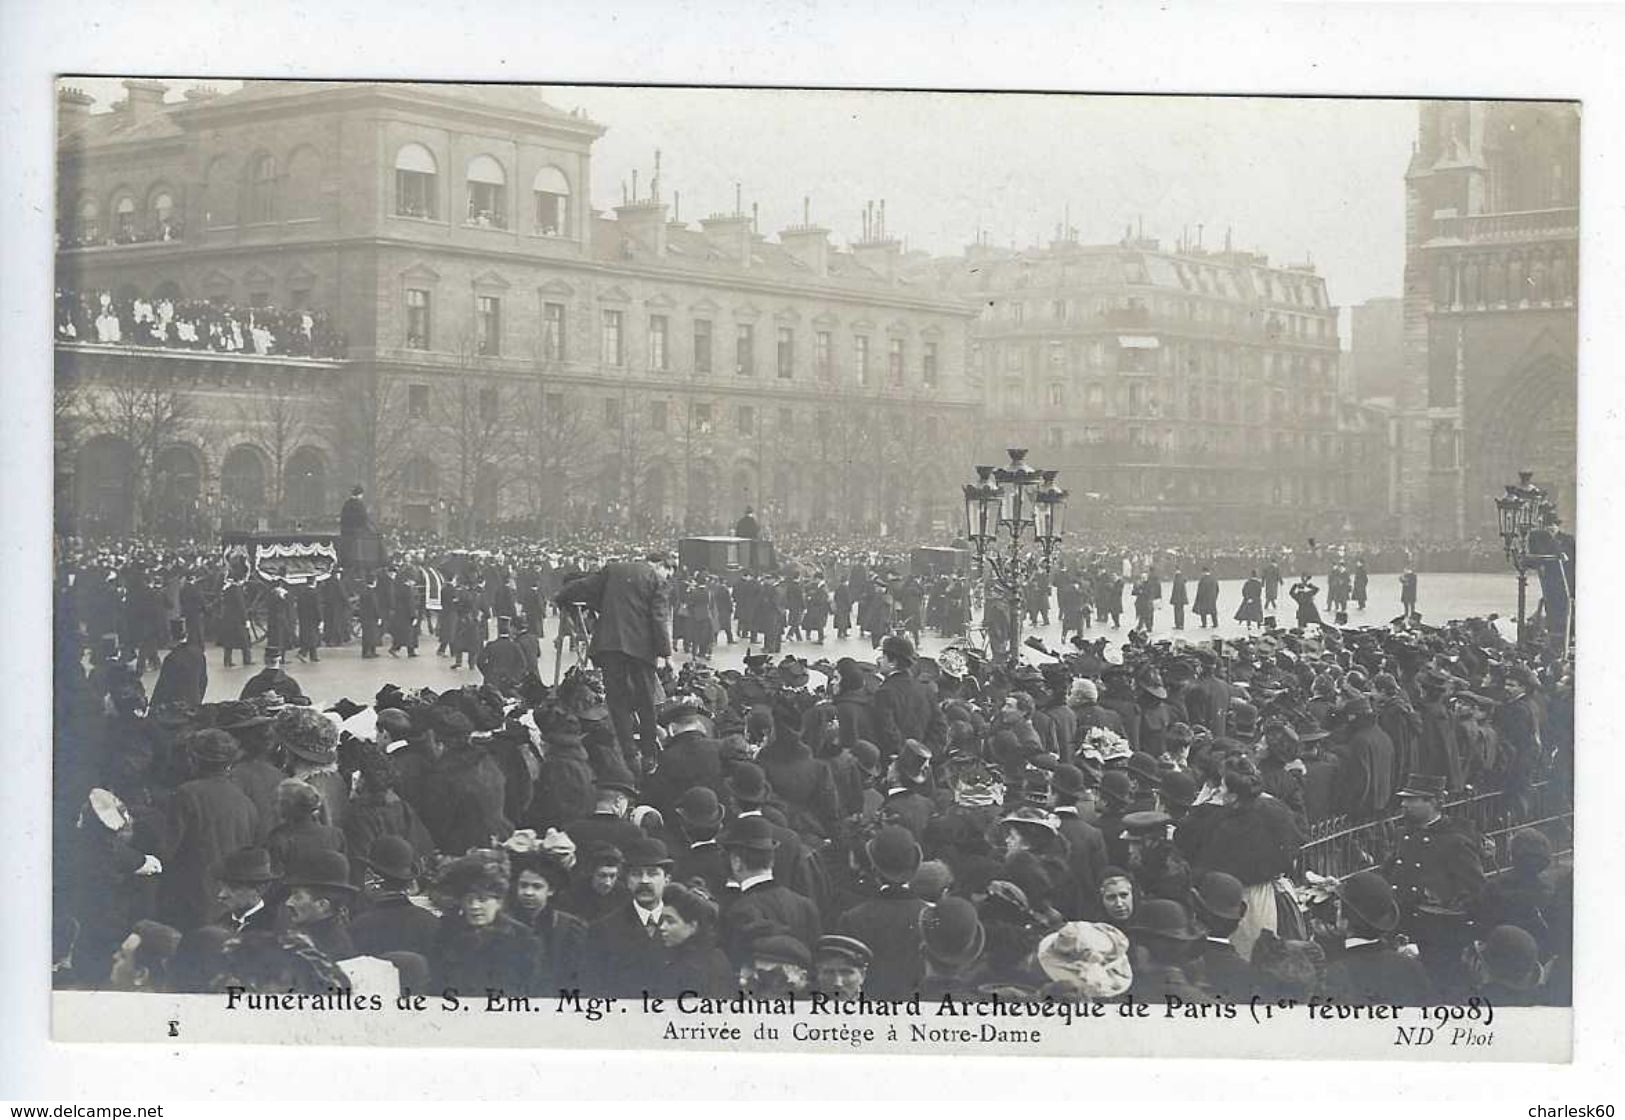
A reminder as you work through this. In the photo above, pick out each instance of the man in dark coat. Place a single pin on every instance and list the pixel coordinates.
(1365, 754)
(1207, 700)
(403, 617)
(391, 921)
(1439, 747)
(803, 783)
(1206, 605)
(1363, 967)
(208, 819)
(502, 663)
(308, 609)
(903, 706)
(630, 639)
(1437, 872)
(368, 616)
(193, 609)
(690, 758)
(890, 919)
(464, 794)
(755, 897)
(1085, 846)
(184, 676)
(1178, 598)
(623, 952)
(746, 526)
(564, 789)
(606, 825)
(271, 678)
(233, 633)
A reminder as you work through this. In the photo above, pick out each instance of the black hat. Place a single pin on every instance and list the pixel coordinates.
(1372, 900)
(392, 857)
(750, 833)
(850, 950)
(246, 865)
(1147, 820)
(647, 852)
(747, 784)
(699, 807)
(1165, 918)
(238, 715)
(1145, 768)
(951, 933)
(894, 853)
(622, 783)
(1423, 785)
(325, 869)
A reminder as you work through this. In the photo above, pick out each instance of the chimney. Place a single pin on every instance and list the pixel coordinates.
(807, 243)
(876, 251)
(730, 233)
(645, 223)
(146, 97)
(72, 109)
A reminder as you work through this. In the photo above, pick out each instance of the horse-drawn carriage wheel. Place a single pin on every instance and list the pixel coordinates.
(255, 596)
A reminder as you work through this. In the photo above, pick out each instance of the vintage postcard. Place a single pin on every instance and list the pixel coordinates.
(814, 571)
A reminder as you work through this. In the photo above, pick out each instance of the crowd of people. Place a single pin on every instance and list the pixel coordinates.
(195, 324)
(1127, 816)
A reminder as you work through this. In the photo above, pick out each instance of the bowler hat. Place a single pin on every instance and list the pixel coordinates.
(1220, 895)
(1511, 956)
(1116, 786)
(951, 934)
(246, 866)
(325, 869)
(848, 950)
(1370, 898)
(1145, 768)
(1431, 786)
(753, 833)
(1179, 788)
(699, 807)
(867, 756)
(392, 857)
(747, 784)
(647, 852)
(1068, 781)
(1165, 918)
(894, 853)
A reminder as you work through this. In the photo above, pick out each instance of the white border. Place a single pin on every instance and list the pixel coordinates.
(1543, 51)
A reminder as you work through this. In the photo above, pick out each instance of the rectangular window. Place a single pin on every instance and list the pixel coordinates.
(657, 416)
(658, 331)
(487, 205)
(894, 362)
(702, 346)
(488, 325)
(860, 359)
(928, 366)
(787, 353)
(701, 414)
(1055, 396)
(1096, 396)
(612, 412)
(553, 332)
(550, 214)
(822, 362)
(1057, 309)
(490, 405)
(1018, 312)
(414, 194)
(1054, 437)
(745, 351)
(1015, 359)
(747, 419)
(787, 420)
(611, 351)
(417, 401)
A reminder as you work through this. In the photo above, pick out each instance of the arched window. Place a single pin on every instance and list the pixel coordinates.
(87, 221)
(262, 189)
(552, 193)
(417, 192)
(304, 191)
(242, 486)
(124, 218)
(165, 224)
(487, 193)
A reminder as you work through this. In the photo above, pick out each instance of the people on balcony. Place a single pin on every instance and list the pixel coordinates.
(211, 325)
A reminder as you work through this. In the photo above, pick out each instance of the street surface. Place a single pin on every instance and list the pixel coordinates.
(342, 672)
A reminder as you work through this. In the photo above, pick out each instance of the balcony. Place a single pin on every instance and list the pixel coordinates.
(1514, 226)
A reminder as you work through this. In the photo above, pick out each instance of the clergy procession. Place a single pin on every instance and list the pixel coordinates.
(1370, 814)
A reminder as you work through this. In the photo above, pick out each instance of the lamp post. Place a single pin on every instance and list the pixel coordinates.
(1003, 507)
(1520, 511)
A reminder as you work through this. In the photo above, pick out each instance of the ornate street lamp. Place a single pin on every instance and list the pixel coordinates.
(1002, 507)
(1520, 511)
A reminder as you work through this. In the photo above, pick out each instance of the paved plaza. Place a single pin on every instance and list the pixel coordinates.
(342, 672)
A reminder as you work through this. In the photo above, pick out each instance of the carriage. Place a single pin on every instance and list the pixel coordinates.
(725, 555)
(262, 560)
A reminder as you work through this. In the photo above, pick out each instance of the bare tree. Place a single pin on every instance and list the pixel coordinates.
(149, 412)
(372, 430)
(285, 419)
(483, 426)
(555, 446)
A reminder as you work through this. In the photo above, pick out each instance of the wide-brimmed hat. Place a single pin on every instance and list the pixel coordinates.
(951, 933)
(1093, 955)
(1165, 918)
(1423, 785)
(325, 869)
(248, 866)
(749, 833)
(308, 734)
(1032, 817)
(1151, 682)
(894, 853)
(1368, 895)
(392, 857)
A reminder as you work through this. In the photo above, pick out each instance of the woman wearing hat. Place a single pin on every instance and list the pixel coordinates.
(480, 947)
(310, 742)
(1256, 839)
(689, 927)
(538, 878)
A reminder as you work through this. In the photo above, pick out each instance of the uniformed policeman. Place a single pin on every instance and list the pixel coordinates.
(1437, 873)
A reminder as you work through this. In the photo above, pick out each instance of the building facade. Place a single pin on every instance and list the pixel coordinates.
(1376, 355)
(504, 353)
(1490, 321)
(1188, 388)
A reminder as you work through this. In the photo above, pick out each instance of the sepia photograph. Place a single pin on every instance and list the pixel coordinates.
(976, 587)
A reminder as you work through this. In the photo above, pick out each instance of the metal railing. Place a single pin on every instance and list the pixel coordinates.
(1338, 849)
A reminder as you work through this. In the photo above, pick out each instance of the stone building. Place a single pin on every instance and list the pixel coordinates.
(1190, 387)
(508, 353)
(1376, 356)
(1490, 326)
